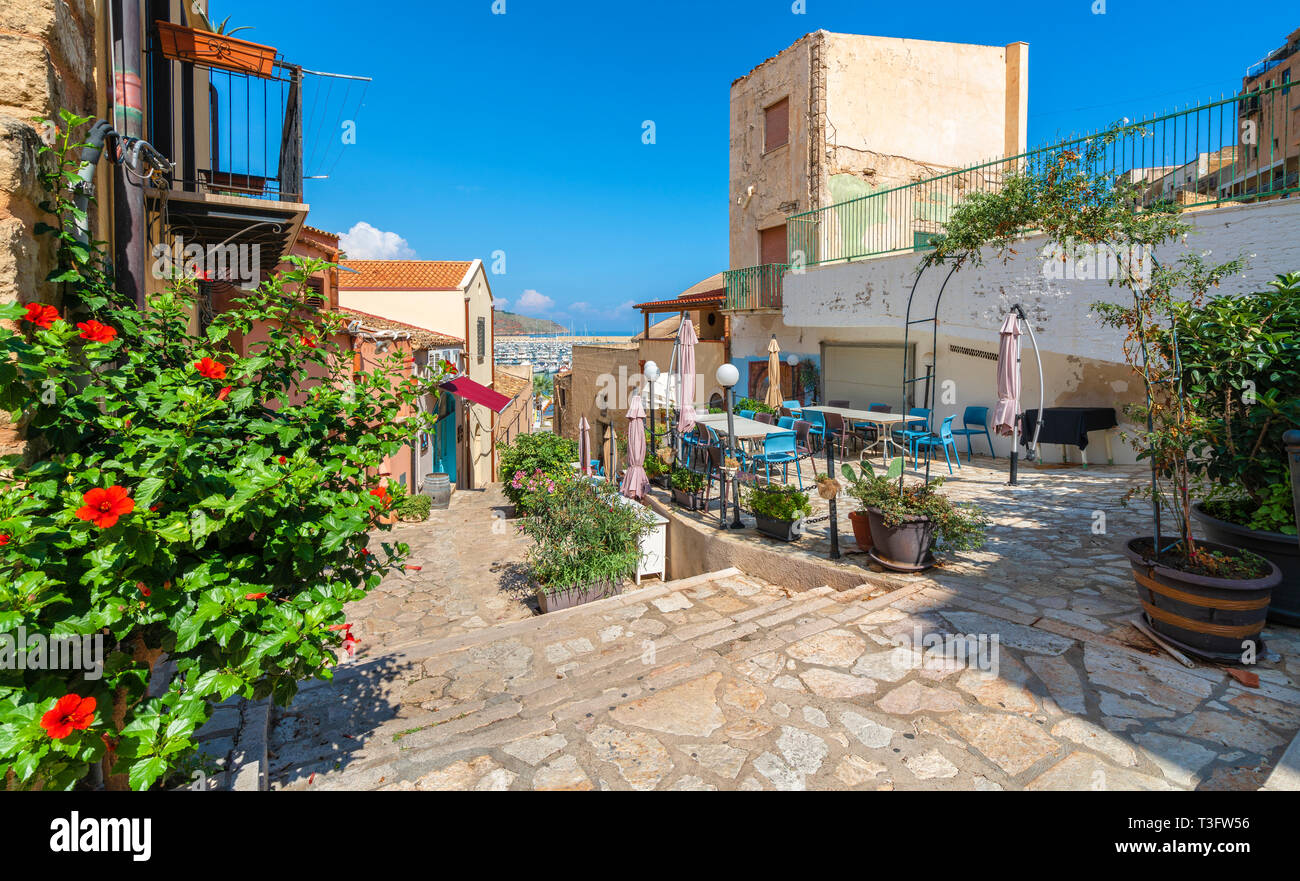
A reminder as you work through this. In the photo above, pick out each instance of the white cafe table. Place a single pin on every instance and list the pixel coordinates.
(884, 421)
(746, 429)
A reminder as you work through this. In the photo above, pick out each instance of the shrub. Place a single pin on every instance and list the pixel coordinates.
(584, 533)
(1240, 358)
(529, 453)
(180, 498)
(777, 502)
(752, 404)
(414, 507)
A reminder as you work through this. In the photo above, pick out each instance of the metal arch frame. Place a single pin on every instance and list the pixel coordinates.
(928, 394)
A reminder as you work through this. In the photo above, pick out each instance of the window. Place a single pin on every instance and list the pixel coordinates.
(776, 125)
(772, 245)
(1286, 81)
(482, 338)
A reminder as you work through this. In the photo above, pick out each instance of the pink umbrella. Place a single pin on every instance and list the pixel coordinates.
(635, 481)
(1004, 414)
(686, 340)
(584, 445)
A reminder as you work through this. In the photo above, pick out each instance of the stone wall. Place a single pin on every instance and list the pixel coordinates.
(48, 57)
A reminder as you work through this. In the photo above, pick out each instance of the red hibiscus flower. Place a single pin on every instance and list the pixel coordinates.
(4, 539)
(254, 596)
(96, 332)
(283, 460)
(104, 506)
(71, 713)
(224, 393)
(41, 315)
(308, 341)
(380, 493)
(211, 369)
(144, 590)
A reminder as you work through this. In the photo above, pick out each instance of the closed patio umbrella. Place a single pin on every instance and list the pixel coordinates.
(611, 461)
(584, 445)
(635, 480)
(773, 398)
(686, 340)
(1004, 414)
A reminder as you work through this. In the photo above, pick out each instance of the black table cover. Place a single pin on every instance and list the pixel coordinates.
(1067, 425)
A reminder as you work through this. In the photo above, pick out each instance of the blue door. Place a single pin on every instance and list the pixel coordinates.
(444, 439)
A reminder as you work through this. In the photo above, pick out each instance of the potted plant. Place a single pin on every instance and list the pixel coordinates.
(779, 511)
(414, 508)
(907, 521)
(688, 488)
(1240, 359)
(586, 541)
(657, 471)
(857, 485)
(214, 46)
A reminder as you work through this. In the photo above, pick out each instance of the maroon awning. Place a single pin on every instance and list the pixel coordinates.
(464, 387)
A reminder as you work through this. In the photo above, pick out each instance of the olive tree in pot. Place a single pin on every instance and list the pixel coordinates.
(1240, 358)
(779, 511)
(906, 522)
(586, 541)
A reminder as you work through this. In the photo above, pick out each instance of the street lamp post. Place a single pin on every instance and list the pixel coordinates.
(651, 371)
(727, 377)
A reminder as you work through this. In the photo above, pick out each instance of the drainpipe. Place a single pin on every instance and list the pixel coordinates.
(84, 188)
(128, 107)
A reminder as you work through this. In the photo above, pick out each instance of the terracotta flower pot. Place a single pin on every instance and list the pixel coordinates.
(214, 50)
(861, 529)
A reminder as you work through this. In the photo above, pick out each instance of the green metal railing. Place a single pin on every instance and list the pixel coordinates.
(1240, 149)
(755, 287)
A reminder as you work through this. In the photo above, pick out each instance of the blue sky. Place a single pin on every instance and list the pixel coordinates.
(521, 132)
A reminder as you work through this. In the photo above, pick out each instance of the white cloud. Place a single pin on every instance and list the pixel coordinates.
(365, 242)
(500, 303)
(531, 303)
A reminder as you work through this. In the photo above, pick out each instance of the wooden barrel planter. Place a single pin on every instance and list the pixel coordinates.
(1211, 617)
(1281, 549)
(438, 487)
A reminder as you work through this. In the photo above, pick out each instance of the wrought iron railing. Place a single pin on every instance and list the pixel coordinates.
(755, 287)
(1239, 149)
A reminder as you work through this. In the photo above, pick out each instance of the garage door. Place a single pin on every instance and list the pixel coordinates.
(864, 375)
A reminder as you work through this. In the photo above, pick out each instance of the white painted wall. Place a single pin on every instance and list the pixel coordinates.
(865, 301)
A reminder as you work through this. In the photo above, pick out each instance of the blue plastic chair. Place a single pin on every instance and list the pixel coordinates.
(818, 421)
(598, 467)
(943, 440)
(778, 449)
(915, 429)
(975, 421)
(793, 406)
(785, 422)
(747, 414)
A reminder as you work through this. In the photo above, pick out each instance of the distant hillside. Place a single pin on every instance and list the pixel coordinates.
(510, 324)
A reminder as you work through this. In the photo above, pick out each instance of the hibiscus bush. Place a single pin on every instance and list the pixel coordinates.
(178, 500)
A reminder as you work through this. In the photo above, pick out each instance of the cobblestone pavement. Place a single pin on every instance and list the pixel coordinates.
(470, 577)
(731, 682)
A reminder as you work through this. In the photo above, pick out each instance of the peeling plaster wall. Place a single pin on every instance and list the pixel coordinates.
(866, 113)
(865, 302)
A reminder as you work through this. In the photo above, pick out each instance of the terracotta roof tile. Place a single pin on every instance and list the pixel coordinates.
(422, 337)
(437, 275)
(507, 383)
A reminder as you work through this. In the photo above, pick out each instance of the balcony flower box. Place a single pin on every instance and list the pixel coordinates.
(214, 50)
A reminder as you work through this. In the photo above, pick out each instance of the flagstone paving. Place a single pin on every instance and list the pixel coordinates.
(469, 576)
(732, 682)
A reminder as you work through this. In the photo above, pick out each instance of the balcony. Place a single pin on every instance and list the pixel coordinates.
(755, 288)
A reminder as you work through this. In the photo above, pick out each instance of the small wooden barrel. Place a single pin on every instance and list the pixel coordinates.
(438, 487)
(1217, 618)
